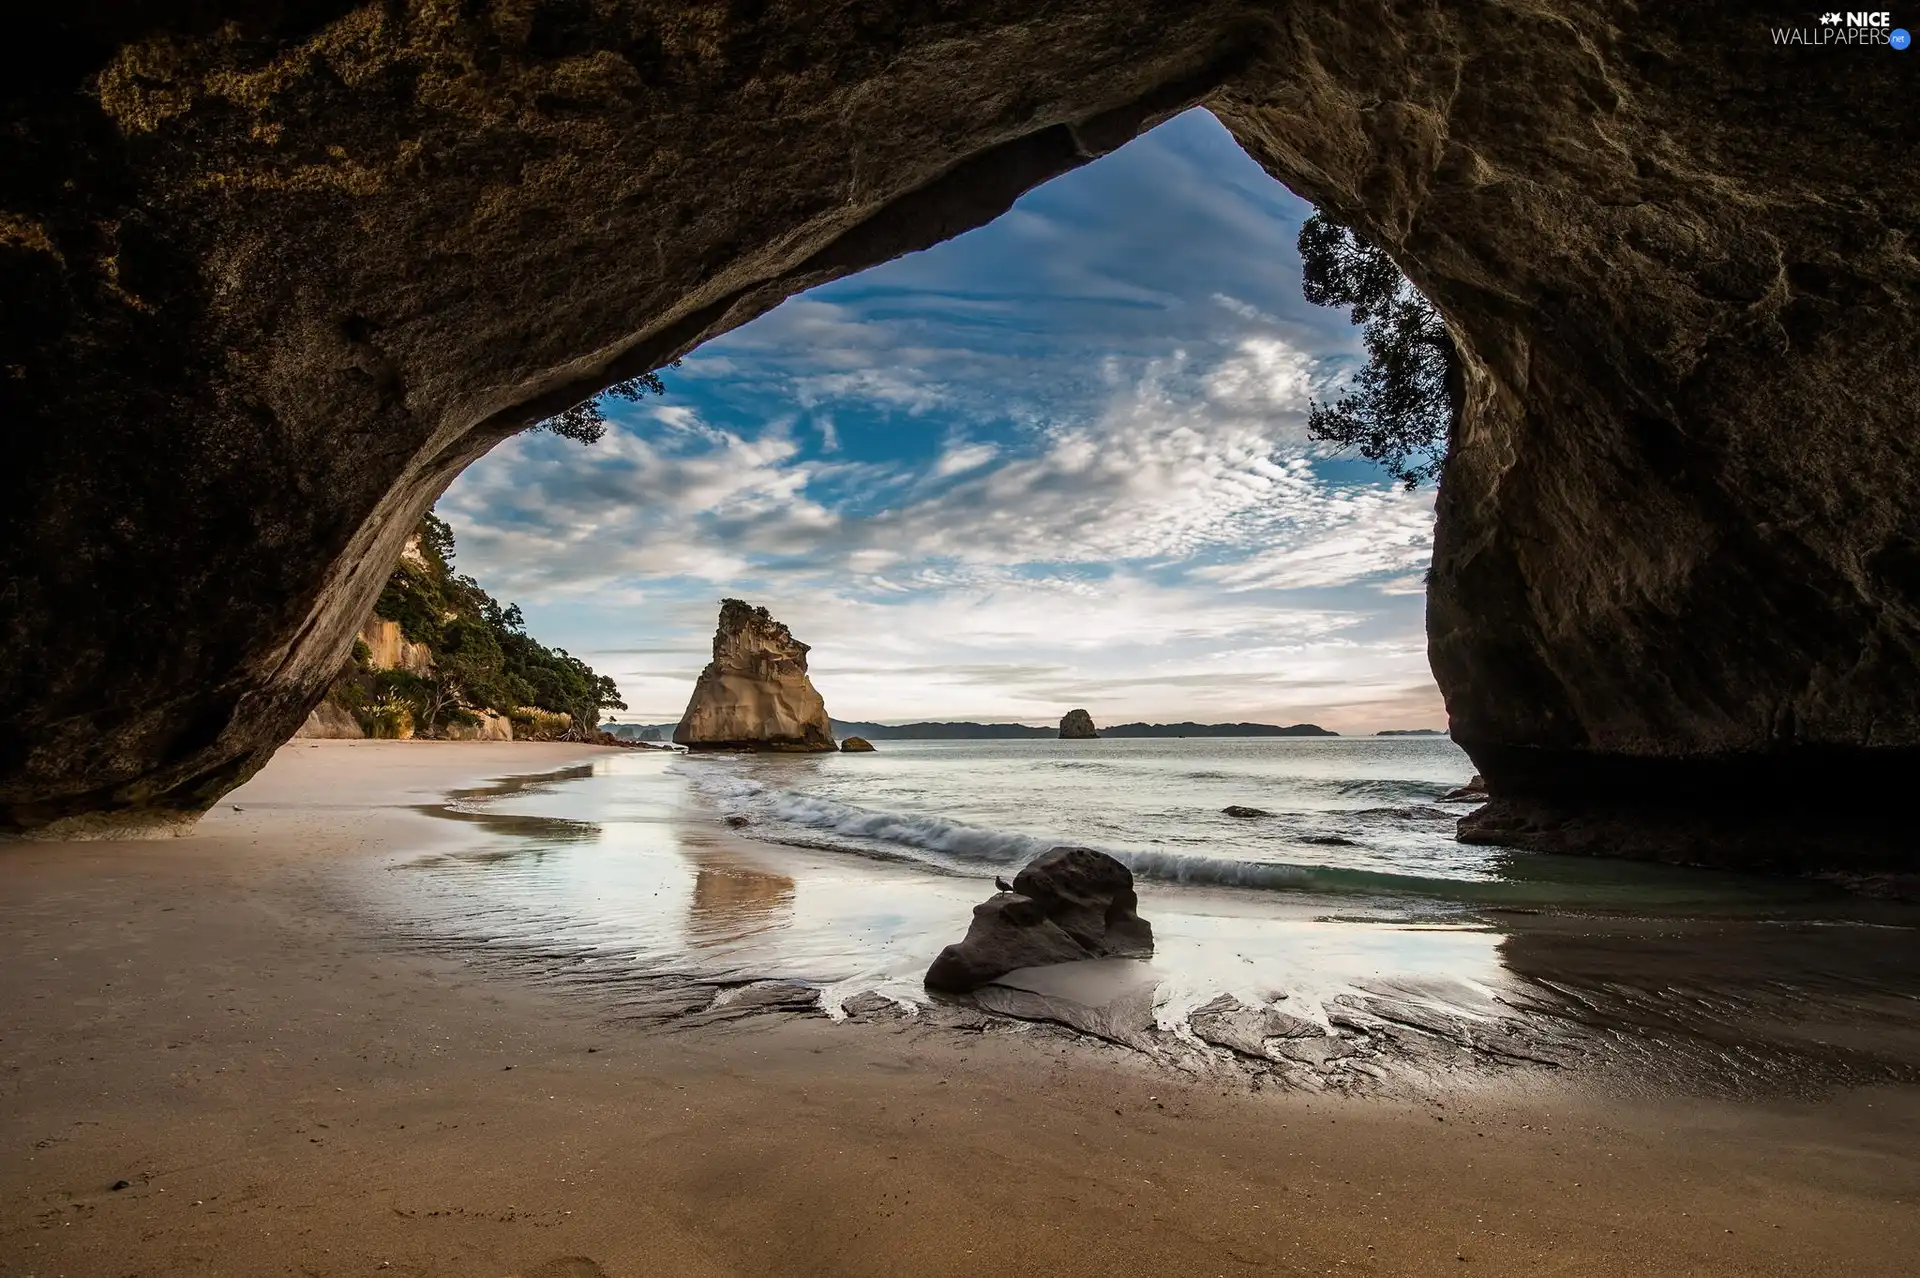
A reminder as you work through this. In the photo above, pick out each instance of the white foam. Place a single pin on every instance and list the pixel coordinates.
(928, 834)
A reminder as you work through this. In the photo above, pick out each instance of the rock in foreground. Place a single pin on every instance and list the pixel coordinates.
(857, 745)
(1107, 998)
(1069, 904)
(754, 694)
(1077, 725)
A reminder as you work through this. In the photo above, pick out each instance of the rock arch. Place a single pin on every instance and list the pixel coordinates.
(276, 270)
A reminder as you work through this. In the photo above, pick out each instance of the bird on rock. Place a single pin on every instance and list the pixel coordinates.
(1002, 884)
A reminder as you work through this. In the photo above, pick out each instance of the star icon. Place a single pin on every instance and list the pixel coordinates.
(1829, 19)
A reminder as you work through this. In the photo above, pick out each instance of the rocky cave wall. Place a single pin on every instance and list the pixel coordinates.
(276, 272)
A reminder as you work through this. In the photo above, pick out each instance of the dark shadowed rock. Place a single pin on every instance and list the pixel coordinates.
(1676, 564)
(1245, 813)
(1474, 791)
(1007, 932)
(1069, 904)
(1077, 725)
(857, 745)
(1090, 895)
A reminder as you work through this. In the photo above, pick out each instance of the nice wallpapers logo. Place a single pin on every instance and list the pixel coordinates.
(1854, 30)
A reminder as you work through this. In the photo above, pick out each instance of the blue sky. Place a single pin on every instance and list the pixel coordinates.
(1059, 461)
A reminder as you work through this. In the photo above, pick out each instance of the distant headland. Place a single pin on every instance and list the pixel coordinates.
(969, 731)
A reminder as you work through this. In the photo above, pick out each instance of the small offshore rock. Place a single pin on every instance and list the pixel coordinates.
(1077, 725)
(856, 745)
(1237, 810)
(737, 821)
(1474, 791)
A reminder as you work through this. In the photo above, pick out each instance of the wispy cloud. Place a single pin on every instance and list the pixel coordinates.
(1063, 458)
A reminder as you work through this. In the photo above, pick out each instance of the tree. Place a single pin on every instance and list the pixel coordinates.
(436, 540)
(585, 423)
(482, 656)
(1400, 405)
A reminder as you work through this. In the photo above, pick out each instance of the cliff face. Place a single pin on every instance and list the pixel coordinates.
(388, 648)
(295, 269)
(754, 694)
(332, 721)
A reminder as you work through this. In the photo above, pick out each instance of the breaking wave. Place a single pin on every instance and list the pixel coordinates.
(781, 816)
(928, 834)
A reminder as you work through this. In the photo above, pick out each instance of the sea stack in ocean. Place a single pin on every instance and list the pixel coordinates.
(754, 694)
(1077, 726)
(1068, 904)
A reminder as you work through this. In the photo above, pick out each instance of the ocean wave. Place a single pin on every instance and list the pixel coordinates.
(927, 833)
(1397, 815)
(1289, 876)
(939, 843)
(1387, 789)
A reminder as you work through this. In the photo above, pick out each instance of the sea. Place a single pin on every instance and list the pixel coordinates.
(849, 872)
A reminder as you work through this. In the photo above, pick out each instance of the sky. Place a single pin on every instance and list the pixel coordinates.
(1058, 461)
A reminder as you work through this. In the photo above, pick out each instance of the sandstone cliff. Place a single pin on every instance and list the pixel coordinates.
(754, 694)
(388, 648)
(441, 658)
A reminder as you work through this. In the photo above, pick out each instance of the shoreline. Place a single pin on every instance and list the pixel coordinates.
(281, 1085)
(698, 919)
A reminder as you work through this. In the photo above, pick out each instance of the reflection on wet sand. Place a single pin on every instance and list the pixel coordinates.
(477, 806)
(1714, 985)
(732, 900)
(1729, 1004)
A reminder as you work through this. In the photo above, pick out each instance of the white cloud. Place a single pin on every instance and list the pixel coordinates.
(1351, 537)
(964, 457)
(1063, 459)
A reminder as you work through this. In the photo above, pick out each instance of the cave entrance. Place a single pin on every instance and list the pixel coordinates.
(274, 283)
(1060, 459)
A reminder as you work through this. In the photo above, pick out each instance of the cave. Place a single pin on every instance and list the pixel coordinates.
(277, 270)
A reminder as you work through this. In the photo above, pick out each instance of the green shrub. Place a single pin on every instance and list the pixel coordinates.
(390, 718)
(483, 658)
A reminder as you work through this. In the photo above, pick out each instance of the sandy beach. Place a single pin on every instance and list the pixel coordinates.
(279, 1086)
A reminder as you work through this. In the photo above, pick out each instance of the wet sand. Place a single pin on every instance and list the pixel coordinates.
(286, 1089)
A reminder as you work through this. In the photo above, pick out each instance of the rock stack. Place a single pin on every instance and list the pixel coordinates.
(1068, 904)
(754, 694)
(1077, 726)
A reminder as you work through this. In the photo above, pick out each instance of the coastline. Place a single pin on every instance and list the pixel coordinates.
(282, 1085)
